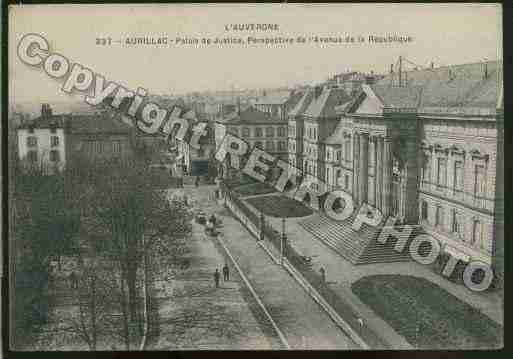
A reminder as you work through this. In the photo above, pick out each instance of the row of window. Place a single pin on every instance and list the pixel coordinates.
(269, 145)
(103, 146)
(458, 171)
(312, 133)
(55, 156)
(329, 156)
(32, 141)
(259, 131)
(456, 227)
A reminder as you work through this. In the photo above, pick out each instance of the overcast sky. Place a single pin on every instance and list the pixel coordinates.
(446, 34)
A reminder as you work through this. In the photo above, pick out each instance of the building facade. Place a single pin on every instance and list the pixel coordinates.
(50, 141)
(319, 121)
(260, 130)
(426, 153)
(296, 126)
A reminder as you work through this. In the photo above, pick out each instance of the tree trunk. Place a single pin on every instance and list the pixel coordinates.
(126, 332)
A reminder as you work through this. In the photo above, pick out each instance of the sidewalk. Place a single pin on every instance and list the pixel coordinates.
(304, 324)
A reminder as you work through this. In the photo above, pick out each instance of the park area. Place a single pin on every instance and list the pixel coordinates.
(253, 189)
(426, 315)
(279, 206)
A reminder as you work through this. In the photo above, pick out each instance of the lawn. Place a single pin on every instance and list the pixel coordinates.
(427, 315)
(279, 206)
(254, 189)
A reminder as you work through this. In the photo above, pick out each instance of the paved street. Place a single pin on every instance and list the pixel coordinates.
(193, 314)
(304, 324)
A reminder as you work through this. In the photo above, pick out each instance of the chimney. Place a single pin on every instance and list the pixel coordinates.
(43, 110)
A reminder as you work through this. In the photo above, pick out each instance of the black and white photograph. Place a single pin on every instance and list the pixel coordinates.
(188, 177)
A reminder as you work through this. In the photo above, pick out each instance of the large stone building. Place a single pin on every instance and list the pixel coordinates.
(50, 141)
(261, 130)
(424, 152)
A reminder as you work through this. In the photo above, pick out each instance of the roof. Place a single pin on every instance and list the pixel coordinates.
(447, 86)
(97, 124)
(274, 98)
(324, 104)
(401, 97)
(55, 121)
(253, 116)
(294, 98)
(90, 123)
(336, 136)
(302, 104)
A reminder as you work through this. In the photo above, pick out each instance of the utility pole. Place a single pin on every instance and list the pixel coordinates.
(283, 237)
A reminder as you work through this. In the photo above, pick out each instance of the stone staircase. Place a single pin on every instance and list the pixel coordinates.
(359, 247)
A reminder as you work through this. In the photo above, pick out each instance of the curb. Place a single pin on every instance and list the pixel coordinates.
(312, 292)
(250, 287)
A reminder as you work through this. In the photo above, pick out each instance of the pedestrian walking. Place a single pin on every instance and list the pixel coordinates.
(73, 280)
(226, 273)
(213, 219)
(216, 277)
(196, 182)
(323, 275)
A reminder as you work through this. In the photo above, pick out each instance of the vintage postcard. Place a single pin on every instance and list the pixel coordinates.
(255, 177)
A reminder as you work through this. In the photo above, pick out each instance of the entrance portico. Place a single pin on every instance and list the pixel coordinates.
(385, 164)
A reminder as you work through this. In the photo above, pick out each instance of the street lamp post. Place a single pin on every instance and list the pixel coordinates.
(283, 236)
(262, 223)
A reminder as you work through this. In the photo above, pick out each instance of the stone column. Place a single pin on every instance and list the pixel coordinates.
(356, 166)
(387, 177)
(411, 182)
(379, 173)
(364, 168)
(375, 166)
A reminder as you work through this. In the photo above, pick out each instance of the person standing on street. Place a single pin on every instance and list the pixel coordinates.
(323, 275)
(216, 277)
(226, 273)
(196, 182)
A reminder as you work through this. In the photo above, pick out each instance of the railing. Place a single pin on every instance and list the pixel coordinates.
(309, 278)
